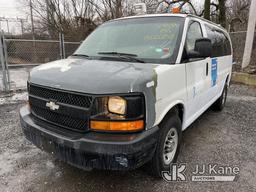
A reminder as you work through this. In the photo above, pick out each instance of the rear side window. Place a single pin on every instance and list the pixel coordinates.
(220, 43)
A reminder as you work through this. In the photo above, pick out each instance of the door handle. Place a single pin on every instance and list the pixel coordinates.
(207, 69)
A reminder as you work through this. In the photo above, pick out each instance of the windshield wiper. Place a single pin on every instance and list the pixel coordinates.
(117, 53)
(126, 56)
(81, 55)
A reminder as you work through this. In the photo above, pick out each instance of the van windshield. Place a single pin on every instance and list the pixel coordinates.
(150, 40)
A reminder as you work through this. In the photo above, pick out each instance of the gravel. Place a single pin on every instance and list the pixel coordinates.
(225, 138)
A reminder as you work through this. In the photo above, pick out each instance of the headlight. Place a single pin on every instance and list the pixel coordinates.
(117, 105)
(118, 113)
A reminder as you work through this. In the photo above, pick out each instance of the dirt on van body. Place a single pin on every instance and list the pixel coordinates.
(225, 138)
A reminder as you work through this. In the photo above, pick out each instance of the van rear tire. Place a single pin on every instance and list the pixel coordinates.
(221, 102)
(169, 136)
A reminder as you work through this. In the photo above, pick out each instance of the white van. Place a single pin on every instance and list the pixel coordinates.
(125, 96)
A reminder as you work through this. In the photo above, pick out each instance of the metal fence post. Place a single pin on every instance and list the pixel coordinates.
(62, 46)
(7, 64)
(3, 58)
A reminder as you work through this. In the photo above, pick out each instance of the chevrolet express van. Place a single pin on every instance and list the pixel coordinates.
(124, 97)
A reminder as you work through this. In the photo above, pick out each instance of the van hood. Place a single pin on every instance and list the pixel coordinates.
(94, 76)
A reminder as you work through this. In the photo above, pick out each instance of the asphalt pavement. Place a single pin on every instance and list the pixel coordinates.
(226, 138)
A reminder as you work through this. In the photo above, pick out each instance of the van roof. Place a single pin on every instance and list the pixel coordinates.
(171, 15)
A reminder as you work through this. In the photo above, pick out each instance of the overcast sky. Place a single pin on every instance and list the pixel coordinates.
(11, 9)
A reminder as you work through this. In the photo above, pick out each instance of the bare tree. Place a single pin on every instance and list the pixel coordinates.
(74, 18)
(108, 9)
(77, 18)
(222, 12)
(237, 14)
(207, 9)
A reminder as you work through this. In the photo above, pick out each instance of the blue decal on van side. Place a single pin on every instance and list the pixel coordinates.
(214, 72)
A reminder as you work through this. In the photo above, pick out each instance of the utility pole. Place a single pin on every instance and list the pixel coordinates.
(7, 23)
(250, 35)
(21, 24)
(34, 57)
(32, 19)
(48, 17)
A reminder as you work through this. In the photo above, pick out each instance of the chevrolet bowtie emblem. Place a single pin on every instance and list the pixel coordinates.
(52, 105)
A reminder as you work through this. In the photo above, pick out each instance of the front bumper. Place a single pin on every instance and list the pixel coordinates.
(90, 150)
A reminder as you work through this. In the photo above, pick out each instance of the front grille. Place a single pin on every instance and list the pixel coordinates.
(73, 112)
(61, 96)
(58, 119)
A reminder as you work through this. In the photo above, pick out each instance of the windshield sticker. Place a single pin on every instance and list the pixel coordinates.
(214, 73)
(166, 50)
(158, 50)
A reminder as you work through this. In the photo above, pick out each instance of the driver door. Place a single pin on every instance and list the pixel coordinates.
(197, 72)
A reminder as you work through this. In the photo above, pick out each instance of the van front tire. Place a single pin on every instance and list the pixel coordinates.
(168, 145)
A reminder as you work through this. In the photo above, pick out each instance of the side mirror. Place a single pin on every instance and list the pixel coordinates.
(203, 49)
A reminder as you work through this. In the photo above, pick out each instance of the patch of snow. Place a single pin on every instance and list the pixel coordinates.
(17, 97)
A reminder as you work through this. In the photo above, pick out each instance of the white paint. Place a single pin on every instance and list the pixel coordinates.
(63, 66)
(188, 84)
(150, 84)
(153, 15)
(18, 97)
(170, 90)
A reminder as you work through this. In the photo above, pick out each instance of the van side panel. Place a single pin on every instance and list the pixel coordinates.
(213, 93)
(170, 90)
(172, 83)
(221, 62)
(219, 68)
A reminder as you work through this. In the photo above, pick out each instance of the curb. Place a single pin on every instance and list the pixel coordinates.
(244, 78)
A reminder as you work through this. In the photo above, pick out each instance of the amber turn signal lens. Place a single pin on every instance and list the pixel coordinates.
(117, 125)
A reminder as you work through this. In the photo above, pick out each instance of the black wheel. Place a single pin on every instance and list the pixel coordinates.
(221, 102)
(168, 145)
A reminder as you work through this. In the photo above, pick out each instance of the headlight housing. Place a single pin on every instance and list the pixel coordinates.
(117, 105)
(119, 113)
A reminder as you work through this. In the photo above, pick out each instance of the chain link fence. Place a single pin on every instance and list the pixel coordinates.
(21, 51)
(238, 41)
(20, 55)
(32, 52)
(70, 47)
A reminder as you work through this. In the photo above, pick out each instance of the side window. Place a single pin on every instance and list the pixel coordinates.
(211, 35)
(220, 43)
(194, 33)
(227, 45)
